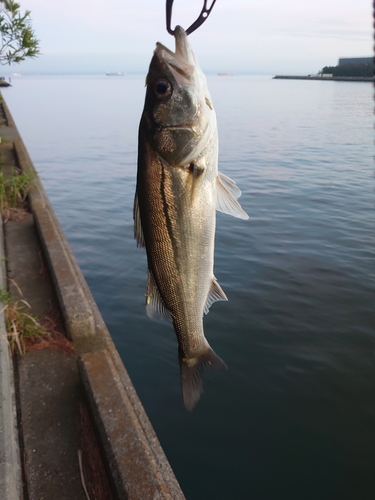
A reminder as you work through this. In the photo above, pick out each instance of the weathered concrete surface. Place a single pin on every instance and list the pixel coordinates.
(135, 461)
(25, 266)
(50, 393)
(49, 385)
(135, 469)
(10, 466)
(76, 311)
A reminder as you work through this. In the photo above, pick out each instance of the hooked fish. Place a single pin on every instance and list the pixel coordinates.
(178, 192)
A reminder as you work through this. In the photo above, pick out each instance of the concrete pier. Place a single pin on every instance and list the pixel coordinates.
(10, 458)
(71, 423)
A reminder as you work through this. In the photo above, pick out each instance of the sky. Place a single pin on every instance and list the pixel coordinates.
(240, 36)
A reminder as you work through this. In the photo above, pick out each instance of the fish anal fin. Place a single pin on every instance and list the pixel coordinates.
(191, 371)
(227, 193)
(155, 308)
(215, 293)
(138, 232)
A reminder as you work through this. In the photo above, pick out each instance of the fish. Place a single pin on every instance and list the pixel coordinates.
(178, 191)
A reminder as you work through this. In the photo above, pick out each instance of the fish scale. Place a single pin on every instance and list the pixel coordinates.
(178, 192)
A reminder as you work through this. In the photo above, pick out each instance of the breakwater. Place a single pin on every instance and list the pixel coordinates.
(326, 79)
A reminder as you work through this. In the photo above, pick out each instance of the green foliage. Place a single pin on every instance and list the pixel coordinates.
(17, 38)
(14, 188)
(361, 69)
(20, 325)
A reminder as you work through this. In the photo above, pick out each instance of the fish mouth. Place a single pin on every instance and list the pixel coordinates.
(181, 62)
(190, 128)
(183, 50)
(193, 125)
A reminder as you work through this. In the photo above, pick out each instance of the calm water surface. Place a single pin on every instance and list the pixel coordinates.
(293, 418)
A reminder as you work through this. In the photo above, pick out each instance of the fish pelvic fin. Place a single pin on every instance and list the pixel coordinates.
(138, 231)
(191, 371)
(215, 293)
(227, 193)
(155, 308)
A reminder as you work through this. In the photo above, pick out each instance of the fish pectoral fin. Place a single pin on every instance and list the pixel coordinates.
(138, 231)
(230, 185)
(216, 293)
(155, 308)
(227, 193)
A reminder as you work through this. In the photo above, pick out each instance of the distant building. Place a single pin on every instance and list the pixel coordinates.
(355, 60)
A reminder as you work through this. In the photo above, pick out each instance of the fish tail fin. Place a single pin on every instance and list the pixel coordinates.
(191, 371)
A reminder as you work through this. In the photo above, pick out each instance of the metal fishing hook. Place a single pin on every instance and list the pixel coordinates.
(205, 12)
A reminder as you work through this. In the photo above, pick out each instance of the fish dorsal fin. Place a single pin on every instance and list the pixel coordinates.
(216, 293)
(138, 232)
(155, 308)
(227, 193)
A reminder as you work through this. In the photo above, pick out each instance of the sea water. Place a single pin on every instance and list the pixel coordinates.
(293, 417)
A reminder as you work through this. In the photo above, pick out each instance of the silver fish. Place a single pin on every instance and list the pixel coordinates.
(178, 192)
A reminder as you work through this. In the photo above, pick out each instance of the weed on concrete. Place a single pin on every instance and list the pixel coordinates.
(21, 326)
(14, 189)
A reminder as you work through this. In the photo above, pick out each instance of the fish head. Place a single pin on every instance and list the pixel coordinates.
(178, 114)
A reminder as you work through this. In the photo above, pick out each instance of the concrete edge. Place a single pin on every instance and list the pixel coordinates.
(78, 317)
(91, 338)
(10, 456)
(134, 468)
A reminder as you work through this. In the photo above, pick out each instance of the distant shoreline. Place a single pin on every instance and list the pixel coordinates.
(327, 78)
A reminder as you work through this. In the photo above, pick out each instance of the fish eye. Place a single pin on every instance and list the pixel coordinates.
(163, 88)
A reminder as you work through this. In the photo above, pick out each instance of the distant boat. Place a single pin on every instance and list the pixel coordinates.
(225, 74)
(116, 74)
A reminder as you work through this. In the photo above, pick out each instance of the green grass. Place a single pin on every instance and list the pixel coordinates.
(20, 324)
(15, 188)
